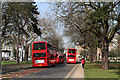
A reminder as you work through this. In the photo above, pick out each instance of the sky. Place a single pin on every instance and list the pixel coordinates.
(45, 7)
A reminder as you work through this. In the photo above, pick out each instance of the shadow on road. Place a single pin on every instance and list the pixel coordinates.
(77, 62)
(57, 65)
(18, 68)
(8, 70)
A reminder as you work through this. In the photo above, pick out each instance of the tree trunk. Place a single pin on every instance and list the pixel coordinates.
(95, 55)
(14, 50)
(26, 50)
(17, 54)
(0, 38)
(26, 53)
(91, 57)
(0, 53)
(105, 63)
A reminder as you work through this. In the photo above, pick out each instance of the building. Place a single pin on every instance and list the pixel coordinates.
(6, 51)
(114, 43)
(99, 53)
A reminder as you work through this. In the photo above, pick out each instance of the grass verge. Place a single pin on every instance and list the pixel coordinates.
(94, 71)
(4, 63)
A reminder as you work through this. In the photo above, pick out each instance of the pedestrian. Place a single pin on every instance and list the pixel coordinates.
(83, 62)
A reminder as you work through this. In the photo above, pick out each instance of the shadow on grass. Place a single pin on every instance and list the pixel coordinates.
(114, 67)
(118, 73)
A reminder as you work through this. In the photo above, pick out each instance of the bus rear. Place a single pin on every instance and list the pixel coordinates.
(71, 55)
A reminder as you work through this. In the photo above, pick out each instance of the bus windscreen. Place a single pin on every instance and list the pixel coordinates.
(39, 46)
(39, 54)
(71, 56)
(71, 51)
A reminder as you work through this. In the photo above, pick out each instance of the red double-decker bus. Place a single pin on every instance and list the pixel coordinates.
(71, 55)
(43, 54)
(60, 58)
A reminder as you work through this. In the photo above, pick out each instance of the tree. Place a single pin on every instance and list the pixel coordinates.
(106, 31)
(28, 41)
(50, 34)
(83, 53)
(75, 34)
(95, 17)
(16, 16)
(0, 35)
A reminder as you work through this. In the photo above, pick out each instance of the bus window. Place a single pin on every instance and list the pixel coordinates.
(52, 56)
(39, 46)
(39, 54)
(71, 56)
(71, 51)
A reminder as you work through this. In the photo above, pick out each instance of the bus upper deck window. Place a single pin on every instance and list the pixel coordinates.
(39, 46)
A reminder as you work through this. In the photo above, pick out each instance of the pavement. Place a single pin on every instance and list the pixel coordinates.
(78, 73)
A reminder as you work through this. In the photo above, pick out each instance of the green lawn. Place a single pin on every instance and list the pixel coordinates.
(8, 62)
(27, 62)
(95, 71)
(14, 62)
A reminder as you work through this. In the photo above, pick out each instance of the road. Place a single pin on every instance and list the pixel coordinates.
(58, 71)
(13, 68)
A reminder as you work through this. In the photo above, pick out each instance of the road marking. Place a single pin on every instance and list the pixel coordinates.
(69, 74)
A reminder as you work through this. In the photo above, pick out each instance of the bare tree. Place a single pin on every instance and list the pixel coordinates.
(49, 28)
